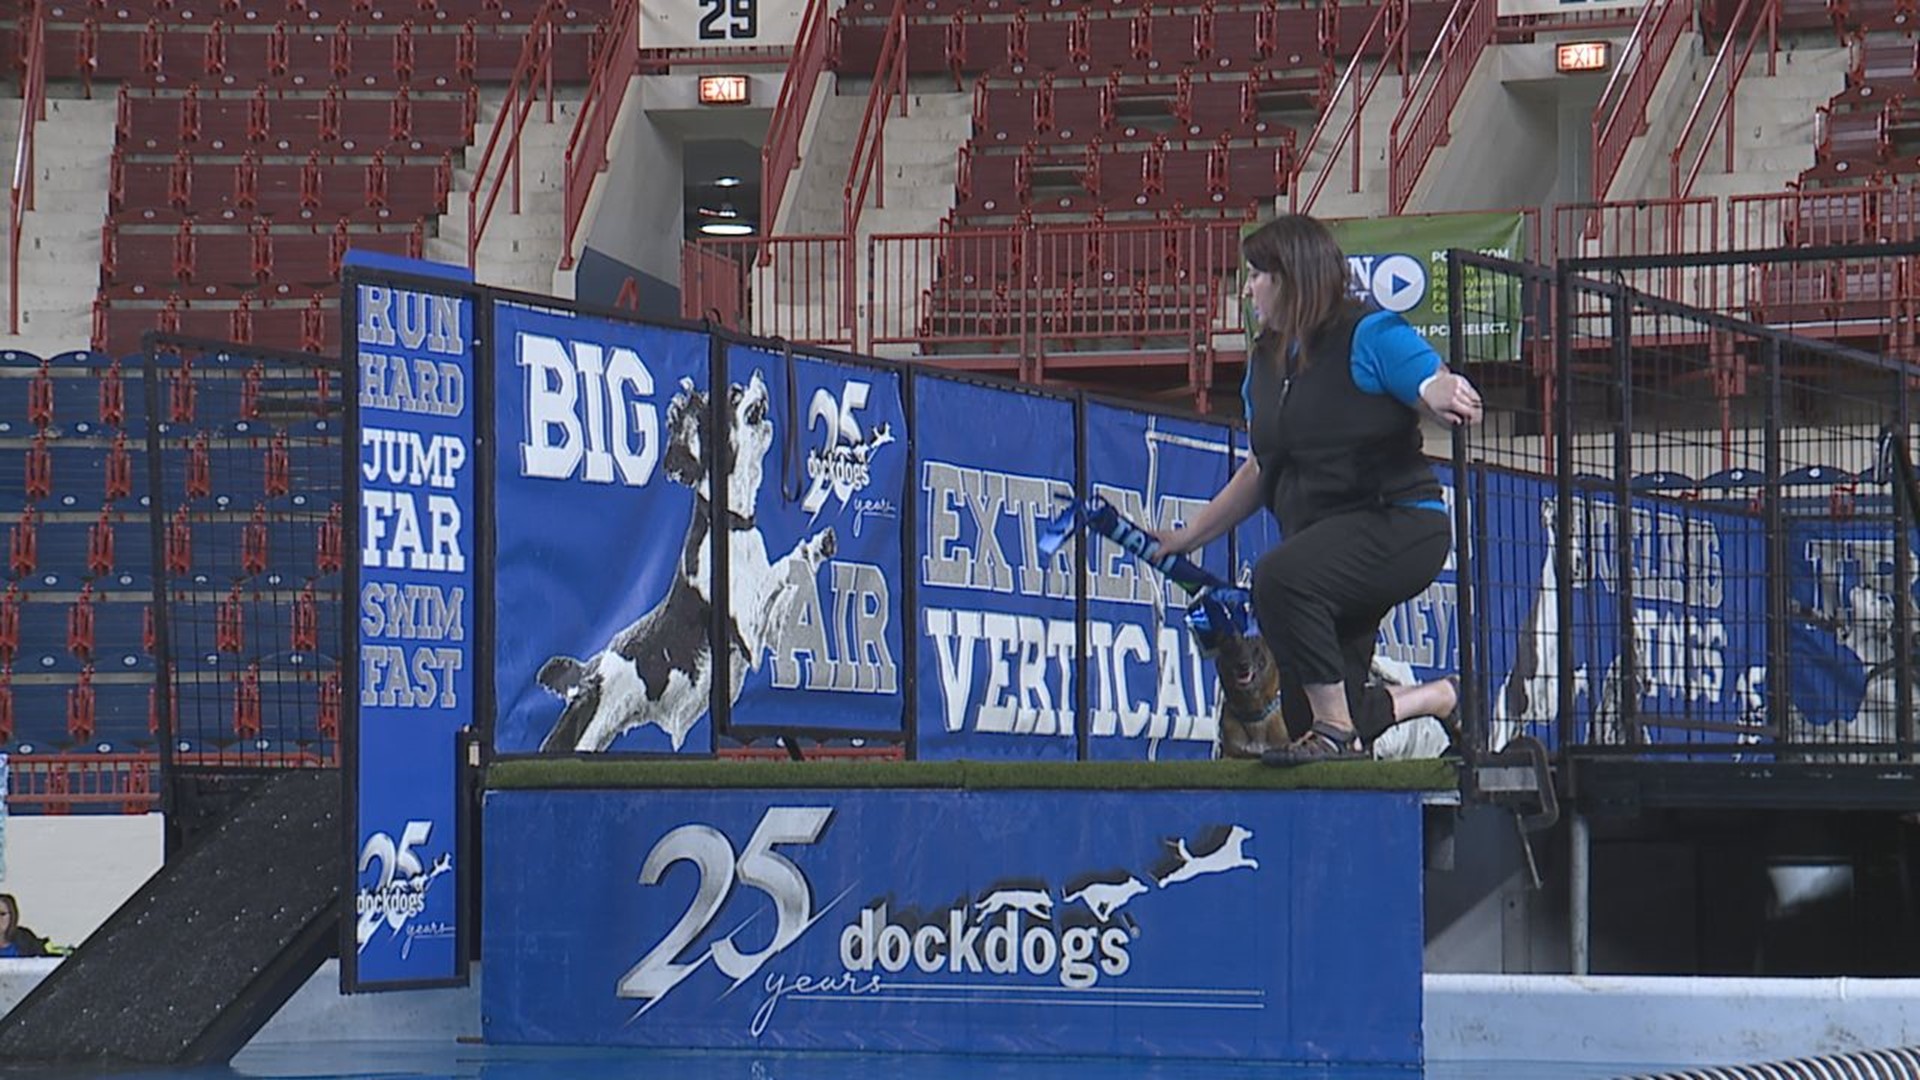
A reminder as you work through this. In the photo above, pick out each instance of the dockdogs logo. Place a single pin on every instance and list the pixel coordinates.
(399, 895)
(842, 466)
(1016, 934)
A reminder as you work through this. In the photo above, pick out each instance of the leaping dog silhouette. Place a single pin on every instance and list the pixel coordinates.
(1230, 855)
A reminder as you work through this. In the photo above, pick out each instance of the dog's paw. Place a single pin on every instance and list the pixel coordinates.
(822, 546)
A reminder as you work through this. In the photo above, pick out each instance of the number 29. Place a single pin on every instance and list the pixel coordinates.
(743, 20)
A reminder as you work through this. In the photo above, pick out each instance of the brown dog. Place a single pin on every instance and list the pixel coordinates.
(1250, 720)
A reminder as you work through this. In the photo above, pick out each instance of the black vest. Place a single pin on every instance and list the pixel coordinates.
(1325, 446)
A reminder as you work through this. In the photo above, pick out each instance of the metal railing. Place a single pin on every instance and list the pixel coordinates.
(776, 286)
(1022, 299)
(1467, 33)
(1641, 227)
(1855, 215)
(1389, 27)
(586, 156)
(531, 74)
(119, 783)
(1724, 76)
(33, 109)
(780, 154)
(1621, 115)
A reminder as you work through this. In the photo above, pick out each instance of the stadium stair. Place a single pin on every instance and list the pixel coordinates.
(208, 949)
(60, 236)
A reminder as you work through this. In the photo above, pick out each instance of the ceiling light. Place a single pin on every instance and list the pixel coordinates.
(727, 228)
(727, 182)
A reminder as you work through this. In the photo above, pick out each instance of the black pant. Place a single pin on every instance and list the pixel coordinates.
(1321, 594)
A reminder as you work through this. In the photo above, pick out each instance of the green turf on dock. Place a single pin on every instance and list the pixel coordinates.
(616, 774)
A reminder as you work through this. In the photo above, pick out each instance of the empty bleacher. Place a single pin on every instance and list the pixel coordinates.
(255, 144)
(250, 480)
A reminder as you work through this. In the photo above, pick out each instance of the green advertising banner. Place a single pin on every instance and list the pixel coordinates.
(1401, 264)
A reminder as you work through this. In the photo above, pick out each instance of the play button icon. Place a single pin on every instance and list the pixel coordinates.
(1399, 282)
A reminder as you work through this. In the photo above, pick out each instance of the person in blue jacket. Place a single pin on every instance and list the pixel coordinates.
(17, 940)
(1334, 392)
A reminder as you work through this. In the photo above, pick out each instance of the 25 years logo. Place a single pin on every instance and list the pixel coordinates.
(843, 467)
(399, 894)
(756, 866)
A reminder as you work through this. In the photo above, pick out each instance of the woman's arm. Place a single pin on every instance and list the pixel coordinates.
(1234, 504)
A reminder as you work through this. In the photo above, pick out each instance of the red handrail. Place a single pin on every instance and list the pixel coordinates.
(869, 146)
(33, 109)
(59, 783)
(587, 148)
(1467, 33)
(533, 70)
(1622, 112)
(780, 154)
(1722, 121)
(1390, 24)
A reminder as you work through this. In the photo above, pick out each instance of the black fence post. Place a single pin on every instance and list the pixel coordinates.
(1563, 500)
(1465, 554)
(1774, 516)
(1626, 684)
(1897, 449)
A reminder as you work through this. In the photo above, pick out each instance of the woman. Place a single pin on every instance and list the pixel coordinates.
(1334, 391)
(17, 940)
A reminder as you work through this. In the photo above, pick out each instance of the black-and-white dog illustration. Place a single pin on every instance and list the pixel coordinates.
(1869, 628)
(1531, 694)
(659, 669)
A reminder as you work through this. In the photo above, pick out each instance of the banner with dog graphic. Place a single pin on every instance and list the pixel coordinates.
(815, 561)
(999, 635)
(1162, 924)
(1696, 628)
(604, 527)
(1843, 629)
(1150, 692)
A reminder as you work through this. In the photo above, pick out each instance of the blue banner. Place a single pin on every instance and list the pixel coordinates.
(1697, 630)
(604, 526)
(1142, 924)
(1152, 695)
(417, 528)
(815, 556)
(999, 639)
(1842, 630)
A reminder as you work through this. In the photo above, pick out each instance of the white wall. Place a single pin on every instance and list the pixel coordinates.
(71, 872)
(638, 214)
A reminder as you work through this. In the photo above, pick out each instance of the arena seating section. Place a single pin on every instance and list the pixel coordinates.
(255, 143)
(252, 550)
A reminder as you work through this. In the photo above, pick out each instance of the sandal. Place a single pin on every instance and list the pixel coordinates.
(1322, 742)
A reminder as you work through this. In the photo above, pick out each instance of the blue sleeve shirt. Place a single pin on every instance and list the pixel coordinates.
(1389, 357)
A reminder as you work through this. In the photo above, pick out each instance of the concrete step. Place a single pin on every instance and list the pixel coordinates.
(1767, 159)
(505, 225)
(931, 105)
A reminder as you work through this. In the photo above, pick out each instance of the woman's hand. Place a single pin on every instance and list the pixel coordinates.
(1173, 541)
(1452, 398)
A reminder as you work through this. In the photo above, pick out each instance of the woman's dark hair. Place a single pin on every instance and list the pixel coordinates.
(1312, 273)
